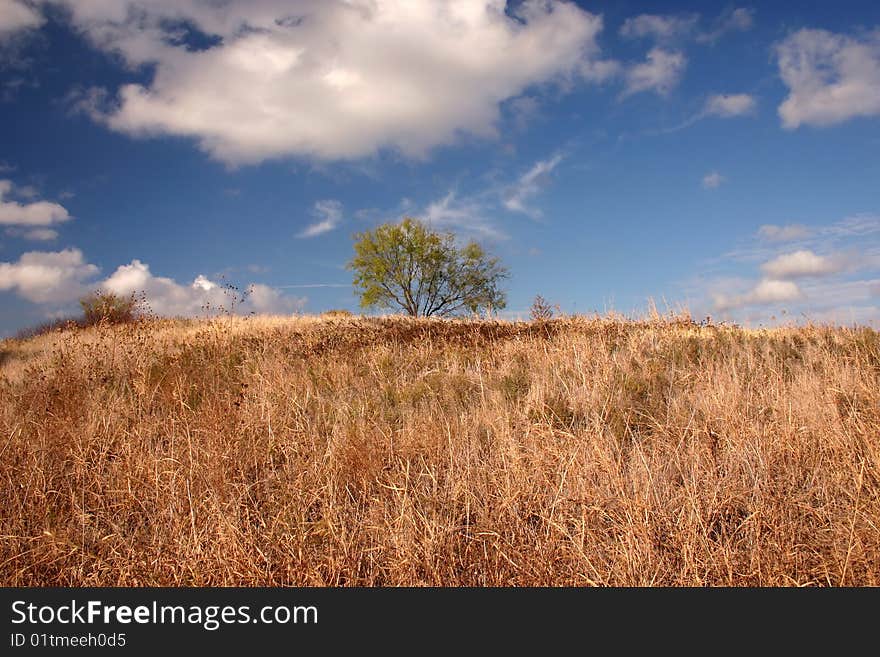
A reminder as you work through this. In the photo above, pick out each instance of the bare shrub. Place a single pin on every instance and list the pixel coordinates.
(102, 307)
(541, 310)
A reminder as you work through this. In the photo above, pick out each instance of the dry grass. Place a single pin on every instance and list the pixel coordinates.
(346, 451)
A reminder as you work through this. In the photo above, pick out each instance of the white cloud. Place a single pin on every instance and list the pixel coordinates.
(529, 185)
(16, 16)
(47, 276)
(329, 214)
(724, 106)
(840, 286)
(202, 282)
(729, 105)
(662, 28)
(801, 263)
(33, 234)
(660, 72)
(668, 28)
(831, 77)
(38, 213)
(465, 215)
(855, 226)
(269, 300)
(787, 233)
(332, 79)
(712, 180)
(168, 298)
(737, 20)
(766, 292)
(62, 277)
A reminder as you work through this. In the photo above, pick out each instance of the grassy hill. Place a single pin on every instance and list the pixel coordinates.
(347, 451)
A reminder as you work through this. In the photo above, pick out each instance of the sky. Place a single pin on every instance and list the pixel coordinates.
(720, 158)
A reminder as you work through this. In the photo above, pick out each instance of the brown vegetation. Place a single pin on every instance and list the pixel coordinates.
(347, 451)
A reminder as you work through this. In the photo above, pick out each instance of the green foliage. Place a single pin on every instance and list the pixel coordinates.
(409, 266)
(108, 308)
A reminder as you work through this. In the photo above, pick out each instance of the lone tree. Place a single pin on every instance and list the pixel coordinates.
(409, 266)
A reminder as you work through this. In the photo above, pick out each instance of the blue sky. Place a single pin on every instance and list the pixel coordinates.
(720, 157)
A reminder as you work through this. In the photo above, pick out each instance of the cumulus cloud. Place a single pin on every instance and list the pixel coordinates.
(786, 233)
(38, 213)
(167, 297)
(712, 180)
(766, 292)
(661, 28)
(329, 214)
(47, 276)
(529, 185)
(16, 16)
(729, 105)
(660, 72)
(833, 269)
(331, 79)
(62, 277)
(801, 263)
(831, 77)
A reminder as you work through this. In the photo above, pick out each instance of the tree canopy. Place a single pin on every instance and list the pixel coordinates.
(407, 265)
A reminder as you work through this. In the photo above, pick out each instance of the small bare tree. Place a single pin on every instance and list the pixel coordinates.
(541, 310)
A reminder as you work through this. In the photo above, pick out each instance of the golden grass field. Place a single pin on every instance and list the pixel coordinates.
(343, 451)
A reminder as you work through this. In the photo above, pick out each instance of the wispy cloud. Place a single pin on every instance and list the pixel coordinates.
(329, 214)
(786, 233)
(739, 19)
(722, 106)
(668, 28)
(713, 180)
(33, 234)
(474, 213)
(660, 28)
(468, 215)
(517, 197)
(857, 225)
